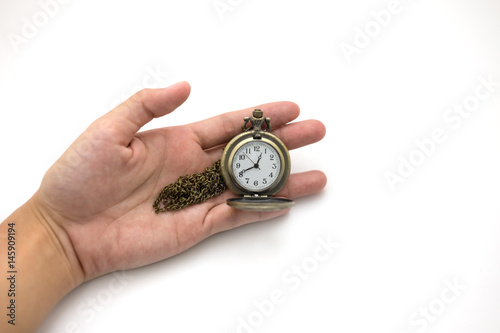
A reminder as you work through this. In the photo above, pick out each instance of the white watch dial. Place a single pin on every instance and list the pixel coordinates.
(256, 165)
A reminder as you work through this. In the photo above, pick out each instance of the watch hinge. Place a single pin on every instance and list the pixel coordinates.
(254, 195)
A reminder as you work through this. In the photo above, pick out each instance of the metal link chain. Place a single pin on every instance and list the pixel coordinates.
(191, 189)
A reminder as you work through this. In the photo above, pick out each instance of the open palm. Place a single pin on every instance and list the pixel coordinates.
(99, 194)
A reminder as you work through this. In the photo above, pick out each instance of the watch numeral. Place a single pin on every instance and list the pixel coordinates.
(256, 183)
(247, 179)
(248, 150)
(238, 165)
(271, 175)
(274, 166)
(241, 157)
(271, 157)
(256, 148)
(264, 181)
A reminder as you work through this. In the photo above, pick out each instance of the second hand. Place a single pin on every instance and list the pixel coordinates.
(249, 158)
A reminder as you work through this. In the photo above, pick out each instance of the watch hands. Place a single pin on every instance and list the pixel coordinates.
(249, 158)
(255, 165)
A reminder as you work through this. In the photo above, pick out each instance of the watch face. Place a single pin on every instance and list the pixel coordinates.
(256, 165)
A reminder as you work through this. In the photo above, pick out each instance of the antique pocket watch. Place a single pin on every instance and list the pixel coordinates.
(256, 165)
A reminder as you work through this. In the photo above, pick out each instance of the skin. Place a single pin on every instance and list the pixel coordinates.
(93, 211)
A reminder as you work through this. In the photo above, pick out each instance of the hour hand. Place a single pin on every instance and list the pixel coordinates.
(258, 160)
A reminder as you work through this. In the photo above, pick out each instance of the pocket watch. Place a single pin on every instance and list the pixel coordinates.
(255, 165)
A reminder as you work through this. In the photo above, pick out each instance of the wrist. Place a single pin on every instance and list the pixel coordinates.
(59, 254)
(43, 270)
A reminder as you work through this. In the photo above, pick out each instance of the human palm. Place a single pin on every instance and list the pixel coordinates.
(98, 196)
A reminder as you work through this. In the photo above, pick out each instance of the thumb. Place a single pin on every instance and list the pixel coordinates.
(124, 121)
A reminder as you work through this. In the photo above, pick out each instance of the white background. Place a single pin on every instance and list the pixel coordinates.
(399, 250)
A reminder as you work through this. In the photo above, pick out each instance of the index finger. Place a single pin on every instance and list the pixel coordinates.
(220, 129)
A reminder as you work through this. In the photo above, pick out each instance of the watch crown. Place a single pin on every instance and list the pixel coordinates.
(257, 113)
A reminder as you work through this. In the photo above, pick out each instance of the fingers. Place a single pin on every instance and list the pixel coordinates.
(223, 217)
(220, 129)
(123, 122)
(301, 134)
(302, 184)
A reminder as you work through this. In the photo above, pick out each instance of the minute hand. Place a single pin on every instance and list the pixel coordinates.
(243, 171)
(247, 169)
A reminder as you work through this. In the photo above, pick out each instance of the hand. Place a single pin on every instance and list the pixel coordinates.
(98, 196)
